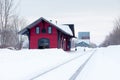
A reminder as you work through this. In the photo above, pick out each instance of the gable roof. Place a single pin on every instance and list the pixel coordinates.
(83, 44)
(63, 28)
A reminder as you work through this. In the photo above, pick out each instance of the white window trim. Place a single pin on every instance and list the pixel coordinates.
(49, 30)
(37, 30)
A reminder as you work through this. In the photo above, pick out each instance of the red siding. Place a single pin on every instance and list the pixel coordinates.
(65, 42)
(35, 37)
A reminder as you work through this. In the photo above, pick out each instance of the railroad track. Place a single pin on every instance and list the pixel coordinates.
(74, 76)
(62, 64)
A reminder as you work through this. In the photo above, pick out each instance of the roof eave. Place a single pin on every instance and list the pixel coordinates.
(23, 32)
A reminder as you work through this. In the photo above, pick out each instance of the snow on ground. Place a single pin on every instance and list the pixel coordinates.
(104, 65)
(26, 64)
(65, 71)
(29, 64)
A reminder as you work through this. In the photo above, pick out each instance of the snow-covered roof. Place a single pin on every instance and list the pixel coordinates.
(62, 27)
(66, 29)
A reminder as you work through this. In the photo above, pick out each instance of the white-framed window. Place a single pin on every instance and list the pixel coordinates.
(49, 30)
(37, 30)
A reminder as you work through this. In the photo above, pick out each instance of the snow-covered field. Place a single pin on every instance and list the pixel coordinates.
(56, 64)
(104, 65)
(26, 64)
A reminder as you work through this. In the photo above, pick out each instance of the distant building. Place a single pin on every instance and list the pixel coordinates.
(84, 38)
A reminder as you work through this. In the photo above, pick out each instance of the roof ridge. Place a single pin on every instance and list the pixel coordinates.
(56, 25)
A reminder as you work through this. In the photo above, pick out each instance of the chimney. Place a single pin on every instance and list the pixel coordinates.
(56, 21)
(50, 20)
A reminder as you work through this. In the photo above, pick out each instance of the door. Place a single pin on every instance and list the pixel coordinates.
(43, 43)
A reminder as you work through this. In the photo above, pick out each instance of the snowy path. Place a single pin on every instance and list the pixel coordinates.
(65, 70)
(104, 65)
(74, 76)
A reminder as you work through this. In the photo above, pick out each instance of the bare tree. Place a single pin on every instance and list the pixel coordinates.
(10, 24)
(17, 24)
(114, 37)
(5, 14)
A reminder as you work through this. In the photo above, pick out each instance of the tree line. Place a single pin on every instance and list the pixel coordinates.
(10, 24)
(114, 37)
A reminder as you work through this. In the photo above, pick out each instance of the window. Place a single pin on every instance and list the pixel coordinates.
(49, 30)
(37, 30)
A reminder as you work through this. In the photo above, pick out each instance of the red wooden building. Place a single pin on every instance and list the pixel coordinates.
(46, 34)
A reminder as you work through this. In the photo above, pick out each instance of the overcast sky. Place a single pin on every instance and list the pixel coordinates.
(95, 16)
